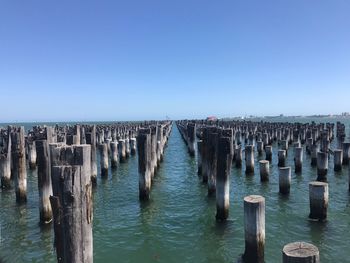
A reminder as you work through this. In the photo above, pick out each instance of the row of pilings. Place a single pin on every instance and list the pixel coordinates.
(66, 161)
(221, 144)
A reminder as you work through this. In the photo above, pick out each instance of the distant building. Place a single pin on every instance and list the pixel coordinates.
(212, 118)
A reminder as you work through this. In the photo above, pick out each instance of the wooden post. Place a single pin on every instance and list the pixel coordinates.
(191, 135)
(268, 152)
(314, 150)
(318, 193)
(144, 167)
(238, 156)
(300, 252)
(133, 146)
(224, 163)
(114, 154)
(19, 163)
(91, 139)
(122, 150)
(254, 229)
(199, 157)
(104, 159)
(154, 149)
(322, 166)
(264, 170)
(127, 147)
(298, 159)
(281, 158)
(338, 159)
(346, 153)
(285, 177)
(212, 162)
(32, 155)
(260, 147)
(5, 158)
(44, 181)
(249, 159)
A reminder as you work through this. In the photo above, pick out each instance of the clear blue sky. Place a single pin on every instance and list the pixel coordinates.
(119, 60)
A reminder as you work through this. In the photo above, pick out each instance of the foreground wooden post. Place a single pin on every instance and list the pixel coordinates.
(238, 156)
(32, 155)
(191, 135)
(133, 146)
(285, 177)
(322, 166)
(224, 163)
(300, 252)
(264, 170)
(199, 157)
(44, 181)
(145, 159)
(212, 162)
(318, 194)
(346, 153)
(254, 229)
(122, 151)
(91, 139)
(19, 163)
(72, 204)
(338, 160)
(104, 159)
(281, 158)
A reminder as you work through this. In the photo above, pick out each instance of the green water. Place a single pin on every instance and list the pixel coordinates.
(178, 224)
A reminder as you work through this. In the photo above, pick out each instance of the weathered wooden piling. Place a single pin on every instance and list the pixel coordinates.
(144, 163)
(114, 154)
(285, 178)
(133, 146)
(44, 181)
(281, 158)
(19, 163)
(264, 170)
(154, 142)
(238, 156)
(224, 163)
(260, 147)
(298, 159)
(199, 157)
(90, 137)
(300, 252)
(212, 157)
(122, 151)
(318, 194)
(72, 204)
(322, 166)
(268, 153)
(32, 155)
(338, 159)
(191, 135)
(254, 229)
(249, 159)
(314, 150)
(104, 159)
(346, 153)
(5, 158)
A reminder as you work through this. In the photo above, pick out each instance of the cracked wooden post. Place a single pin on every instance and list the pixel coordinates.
(19, 163)
(114, 154)
(281, 158)
(5, 158)
(254, 229)
(104, 159)
(298, 159)
(32, 155)
(224, 163)
(268, 152)
(44, 181)
(264, 170)
(249, 159)
(72, 204)
(322, 166)
(300, 252)
(318, 195)
(338, 159)
(285, 177)
(144, 163)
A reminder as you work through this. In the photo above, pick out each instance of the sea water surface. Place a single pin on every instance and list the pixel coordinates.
(178, 223)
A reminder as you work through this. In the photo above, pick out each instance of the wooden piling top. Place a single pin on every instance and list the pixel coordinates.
(300, 250)
(254, 199)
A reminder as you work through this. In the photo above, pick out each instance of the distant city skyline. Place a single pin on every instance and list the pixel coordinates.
(143, 60)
